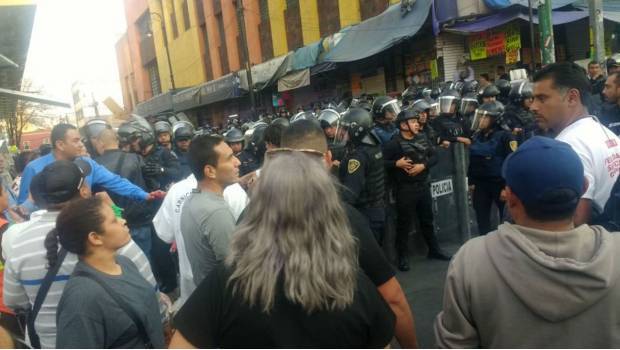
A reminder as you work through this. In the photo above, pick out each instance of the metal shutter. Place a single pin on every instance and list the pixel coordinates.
(451, 47)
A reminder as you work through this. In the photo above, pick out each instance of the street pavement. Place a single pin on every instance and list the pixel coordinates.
(423, 286)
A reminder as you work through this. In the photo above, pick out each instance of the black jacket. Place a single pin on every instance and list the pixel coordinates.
(420, 150)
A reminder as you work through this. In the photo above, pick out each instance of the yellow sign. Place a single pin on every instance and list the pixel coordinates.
(434, 70)
(478, 47)
(513, 37)
(512, 57)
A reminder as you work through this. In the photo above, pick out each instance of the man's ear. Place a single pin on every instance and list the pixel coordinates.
(210, 172)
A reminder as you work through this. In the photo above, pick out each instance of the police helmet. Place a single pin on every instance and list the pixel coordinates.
(94, 127)
(493, 109)
(162, 127)
(257, 144)
(470, 86)
(409, 94)
(329, 118)
(504, 87)
(303, 115)
(357, 122)
(383, 104)
(233, 135)
(490, 91)
(469, 103)
(520, 91)
(407, 114)
(435, 92)
(458, 86)
(447, 100)
(281, 121)
(137, 128)
(364, 104)
(426, 93)
(183, 130)
(421, 105)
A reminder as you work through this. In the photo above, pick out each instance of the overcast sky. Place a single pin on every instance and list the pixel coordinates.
(73, 40)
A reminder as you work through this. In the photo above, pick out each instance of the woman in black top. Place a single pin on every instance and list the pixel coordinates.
(291, 278)
(106, 302)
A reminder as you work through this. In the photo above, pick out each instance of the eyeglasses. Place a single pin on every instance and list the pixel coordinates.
(282, 150)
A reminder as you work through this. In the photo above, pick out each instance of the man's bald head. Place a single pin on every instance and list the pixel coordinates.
(304, 134)
(108, 139)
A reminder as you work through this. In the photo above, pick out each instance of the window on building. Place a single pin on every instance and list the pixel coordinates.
(186, 21)
(173, 21)
(154, 77)
(144, 25)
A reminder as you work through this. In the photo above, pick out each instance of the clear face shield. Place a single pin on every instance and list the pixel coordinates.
(468, 106)
(447, 104)
(330, 122)
(391, 107)
(482, 120)
(434, 110)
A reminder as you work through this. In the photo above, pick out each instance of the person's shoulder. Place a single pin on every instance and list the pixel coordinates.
(39, 163)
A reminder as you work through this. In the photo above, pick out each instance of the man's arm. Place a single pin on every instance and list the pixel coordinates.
(24, 186)
(114, 183)
(393, 294)
(355, 179)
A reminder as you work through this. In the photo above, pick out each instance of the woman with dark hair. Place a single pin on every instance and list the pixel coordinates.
(291, 278)
(106, 303)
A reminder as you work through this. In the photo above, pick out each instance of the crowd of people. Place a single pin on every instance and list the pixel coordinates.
(271, 234)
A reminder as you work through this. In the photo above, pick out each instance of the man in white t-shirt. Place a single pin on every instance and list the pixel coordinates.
(561, 96)
(167, 223)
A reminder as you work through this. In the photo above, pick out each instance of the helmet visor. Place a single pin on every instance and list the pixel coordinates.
(391, 107)
(468, 106)
(481, 120)
(447, 104)
(434, 110)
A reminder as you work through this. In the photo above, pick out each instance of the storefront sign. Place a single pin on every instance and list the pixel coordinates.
(495, 42)
(477, 47)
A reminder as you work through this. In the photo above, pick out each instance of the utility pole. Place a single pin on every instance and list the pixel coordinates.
(598, 31)
(547, 44)
(532, 41)
(246, 52)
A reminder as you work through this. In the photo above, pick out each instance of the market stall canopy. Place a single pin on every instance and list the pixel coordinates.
(266, 73)
(294, 80)
(500, 18)
(223, 88)
(379, 33)
(156, 105)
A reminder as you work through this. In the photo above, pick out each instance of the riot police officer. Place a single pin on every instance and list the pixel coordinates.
(490, 146)
(183, 134)
(161, 168)
(330, 119)
(234, 138)
(503, 86)
(408, 158)
(90, 132)
(467, 108)
(384, 111)
(361, 169)
(423, 109)
(448, 125)
(488, 94)
(517, 116)
(163, 132)
(251, 157)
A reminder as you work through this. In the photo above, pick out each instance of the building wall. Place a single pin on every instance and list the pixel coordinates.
(278, 27)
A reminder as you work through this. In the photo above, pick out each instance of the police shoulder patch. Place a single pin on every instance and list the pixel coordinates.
(513, 145)
(353, 165)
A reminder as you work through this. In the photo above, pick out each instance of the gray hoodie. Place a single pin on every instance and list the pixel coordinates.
(525, 288)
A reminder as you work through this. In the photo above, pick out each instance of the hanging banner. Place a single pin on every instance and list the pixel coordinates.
(477, 47)
(513, 56)
(434, 70)
(496, 43)
(513, 37)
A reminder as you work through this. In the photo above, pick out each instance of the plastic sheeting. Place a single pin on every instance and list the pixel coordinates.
(379, 33)
(294, 80)
(307, 56)
(266, 73)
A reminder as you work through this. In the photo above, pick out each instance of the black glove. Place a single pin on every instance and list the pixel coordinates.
(152, 169)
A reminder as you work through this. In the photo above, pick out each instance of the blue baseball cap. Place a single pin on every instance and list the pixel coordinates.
(542, 165)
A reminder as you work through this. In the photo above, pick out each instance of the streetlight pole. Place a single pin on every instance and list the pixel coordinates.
(163, 32)
(246, 52)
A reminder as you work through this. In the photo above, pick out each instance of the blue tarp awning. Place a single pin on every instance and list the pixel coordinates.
(500, 18)
(379, 33)
(306, 57)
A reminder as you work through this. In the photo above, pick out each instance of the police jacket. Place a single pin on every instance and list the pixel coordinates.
(248, 162)
(449, 128)
(384, 132)
(129, 166)
(169, 164)
(515, 117)
(363, 175)
(610, 117)
(419, 149)
(430, 133)
(487, 153)
(183, 158)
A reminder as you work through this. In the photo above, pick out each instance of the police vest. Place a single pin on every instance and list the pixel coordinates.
(485, 162)
(374, 191)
